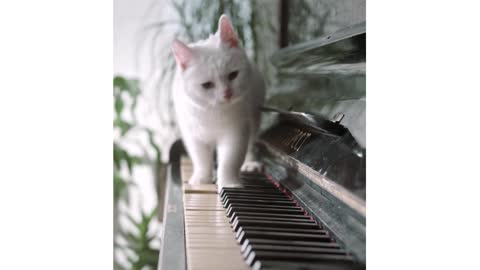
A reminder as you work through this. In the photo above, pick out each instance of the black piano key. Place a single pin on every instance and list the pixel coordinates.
(268, 215)
(240, 229)
(294, 257)
(272, 192)
(259, 199)
(276, 229)
(276, 204)
(270, 218)
(260, 202)
(296, 216)
(266, 193)
(251, 190)
(281, 235)
(257, 196)
(304, 224)
(252, 185)
(263, 198)
(296, 211)
(275, 232)
(255, 185)
(295, 249)
(323, 250)
(285, 265)
(259, 189)
(273, 242)
(232, 205)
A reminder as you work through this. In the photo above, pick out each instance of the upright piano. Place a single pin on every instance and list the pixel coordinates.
(307, 210)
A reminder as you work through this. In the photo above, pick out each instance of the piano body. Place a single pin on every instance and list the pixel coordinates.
(308, 209)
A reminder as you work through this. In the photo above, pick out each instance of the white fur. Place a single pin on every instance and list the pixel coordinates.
(208, 121)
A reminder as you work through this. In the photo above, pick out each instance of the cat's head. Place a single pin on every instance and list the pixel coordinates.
(215, 70)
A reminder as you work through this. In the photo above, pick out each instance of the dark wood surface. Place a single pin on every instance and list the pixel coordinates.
(327, 206)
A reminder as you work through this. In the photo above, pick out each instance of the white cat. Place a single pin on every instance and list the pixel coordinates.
(217, 96)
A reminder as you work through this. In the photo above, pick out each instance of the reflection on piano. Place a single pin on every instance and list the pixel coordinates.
(306, 211)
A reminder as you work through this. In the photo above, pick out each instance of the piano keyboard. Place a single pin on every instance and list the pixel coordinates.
(210, 241)
(258, 226)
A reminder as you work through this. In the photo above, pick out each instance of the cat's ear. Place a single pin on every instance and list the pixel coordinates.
(183, 54)
(226, 32)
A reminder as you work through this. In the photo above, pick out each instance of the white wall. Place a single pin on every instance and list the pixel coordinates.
(131, 61)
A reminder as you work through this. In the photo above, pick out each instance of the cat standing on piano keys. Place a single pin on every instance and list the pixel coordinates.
(217, 96)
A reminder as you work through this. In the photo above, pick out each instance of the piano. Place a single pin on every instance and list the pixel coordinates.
(307, 210)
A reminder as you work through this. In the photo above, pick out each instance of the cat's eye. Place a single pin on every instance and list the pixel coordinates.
(232, 75)
(208, 85)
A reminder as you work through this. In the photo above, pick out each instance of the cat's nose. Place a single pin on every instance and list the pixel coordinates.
(228, 94)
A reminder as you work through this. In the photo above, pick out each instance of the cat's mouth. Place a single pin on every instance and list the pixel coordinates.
(229, 100)
(228, 95)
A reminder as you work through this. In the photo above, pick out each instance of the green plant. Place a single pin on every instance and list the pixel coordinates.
(132, 239)
(138, 243)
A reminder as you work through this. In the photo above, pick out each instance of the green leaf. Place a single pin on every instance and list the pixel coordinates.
(132, 220)
(120, 83)
(124, 126)
(121, 156)
(139, 242)
(118, 105)
(130, 86)
(118, 156)
(133, 241)
(120, 187)
(158, 153)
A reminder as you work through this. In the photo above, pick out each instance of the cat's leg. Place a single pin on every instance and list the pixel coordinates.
(201, 155)
(251, 163)
(231, 154)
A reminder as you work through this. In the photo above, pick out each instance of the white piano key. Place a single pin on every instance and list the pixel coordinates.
(210, 240)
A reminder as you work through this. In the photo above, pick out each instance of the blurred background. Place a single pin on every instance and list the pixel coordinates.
(144, 125)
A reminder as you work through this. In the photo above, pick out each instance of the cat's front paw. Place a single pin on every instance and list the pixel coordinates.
(196, 180)
(228, 182)
(252, 166)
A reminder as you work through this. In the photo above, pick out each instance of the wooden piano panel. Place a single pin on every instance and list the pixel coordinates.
(210, 241)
